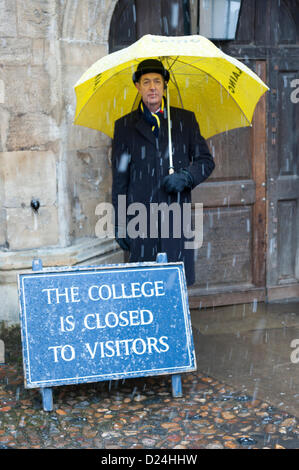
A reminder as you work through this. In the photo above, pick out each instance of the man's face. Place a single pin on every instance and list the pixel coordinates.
(151, 88)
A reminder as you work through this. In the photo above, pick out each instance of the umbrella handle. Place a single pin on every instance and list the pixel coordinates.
(171, 169)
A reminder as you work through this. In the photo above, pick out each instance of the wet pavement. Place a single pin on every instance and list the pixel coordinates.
(244, 394)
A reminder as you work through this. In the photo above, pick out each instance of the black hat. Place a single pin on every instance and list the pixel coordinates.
(150, 66)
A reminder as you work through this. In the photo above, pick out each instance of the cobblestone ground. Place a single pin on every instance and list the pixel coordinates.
(137, 414)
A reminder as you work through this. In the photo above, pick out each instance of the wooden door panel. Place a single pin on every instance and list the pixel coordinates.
(286, 243)
(225, 193)
(283, 189)
(287, 145)
(225, 257)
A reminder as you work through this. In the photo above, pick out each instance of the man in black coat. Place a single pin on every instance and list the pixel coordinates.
(141, 180)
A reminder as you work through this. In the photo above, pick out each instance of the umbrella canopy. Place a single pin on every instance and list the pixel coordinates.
(219, 89)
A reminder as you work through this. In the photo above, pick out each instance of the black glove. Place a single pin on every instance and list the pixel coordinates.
(177, 182)
(123, 242)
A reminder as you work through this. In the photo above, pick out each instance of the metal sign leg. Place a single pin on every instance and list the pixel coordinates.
(176, 381)
(47, 396)
(46, 393)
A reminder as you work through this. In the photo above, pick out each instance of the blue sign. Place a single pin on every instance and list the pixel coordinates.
(91, 324)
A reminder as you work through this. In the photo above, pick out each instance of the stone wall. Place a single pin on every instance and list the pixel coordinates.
(45, 46)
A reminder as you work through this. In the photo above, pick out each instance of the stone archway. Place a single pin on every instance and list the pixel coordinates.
(86, 21)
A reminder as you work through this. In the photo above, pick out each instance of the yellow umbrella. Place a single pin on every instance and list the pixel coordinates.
(219, 89)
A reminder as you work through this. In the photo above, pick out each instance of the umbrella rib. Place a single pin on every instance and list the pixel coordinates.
(174, 79)
(207, 73)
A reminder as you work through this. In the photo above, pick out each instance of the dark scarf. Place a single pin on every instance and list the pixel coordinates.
(153, 118)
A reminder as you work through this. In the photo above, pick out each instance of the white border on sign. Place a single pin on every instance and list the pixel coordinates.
(117, 374)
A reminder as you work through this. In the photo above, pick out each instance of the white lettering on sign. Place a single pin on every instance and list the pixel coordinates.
(111, 319)
(106, 320)
(121, 291)
(67, 352)
(127, 347)
(67, 295)
(67, 323)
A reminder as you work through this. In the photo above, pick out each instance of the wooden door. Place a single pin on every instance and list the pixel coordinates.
(230, 265)
(283, 180)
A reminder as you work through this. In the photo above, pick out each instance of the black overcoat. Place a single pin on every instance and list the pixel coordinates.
(140, 162)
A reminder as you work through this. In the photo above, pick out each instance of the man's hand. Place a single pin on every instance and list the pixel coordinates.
(177, 182)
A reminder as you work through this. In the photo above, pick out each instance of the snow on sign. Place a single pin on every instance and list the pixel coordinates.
(91, 324)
